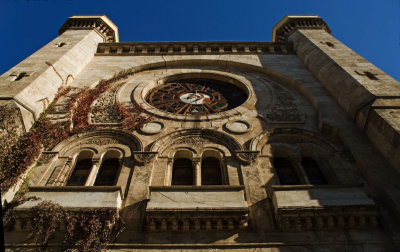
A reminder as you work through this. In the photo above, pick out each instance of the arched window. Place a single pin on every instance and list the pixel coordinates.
(108, 172)
(211, 171)
(82, 169)
(285, 171)
(182, 172)
(313, 171)
(109, 169)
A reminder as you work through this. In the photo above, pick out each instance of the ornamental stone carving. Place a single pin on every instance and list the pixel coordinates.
(196, 140)
(101, 141)
(247, 157)
(144, 157)
(100, 23)
(284, 109)
(104, 109)
(291, 23)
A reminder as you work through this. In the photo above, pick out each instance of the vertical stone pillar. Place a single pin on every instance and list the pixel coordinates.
(32, 84)
(197, 171)
(365, 92)
(93, 172)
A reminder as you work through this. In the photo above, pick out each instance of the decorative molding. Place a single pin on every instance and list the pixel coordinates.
(104, 110)
(192, 140)
(101, 24)
(144, 157)
(285, 109)
(170, 221)
(290, 23)
(152, 128)
(247, 157)
(46, 157)
(101, 141)
(238, 127)
(192, 48)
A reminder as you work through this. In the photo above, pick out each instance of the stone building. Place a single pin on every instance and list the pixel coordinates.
(289, 145)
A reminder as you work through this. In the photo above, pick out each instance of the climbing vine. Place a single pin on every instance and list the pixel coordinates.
(19, 155)
(85, 230)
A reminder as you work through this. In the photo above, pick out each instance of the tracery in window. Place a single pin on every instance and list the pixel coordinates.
(82, 169)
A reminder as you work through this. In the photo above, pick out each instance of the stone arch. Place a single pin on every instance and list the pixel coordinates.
(295, 144)
(291, 135)
(99, 142)
(197, 139)
(103, 138)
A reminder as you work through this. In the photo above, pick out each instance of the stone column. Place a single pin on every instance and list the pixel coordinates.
(197, 170)
(93, 172)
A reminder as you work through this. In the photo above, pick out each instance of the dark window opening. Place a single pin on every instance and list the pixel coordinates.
(108, 172)
(329, 44)
(211, 171)
(371, 76)
(313, 171)
(182, 172)
(285, 171)
(80, 173)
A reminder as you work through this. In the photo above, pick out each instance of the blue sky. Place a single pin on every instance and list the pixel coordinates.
(371, 28)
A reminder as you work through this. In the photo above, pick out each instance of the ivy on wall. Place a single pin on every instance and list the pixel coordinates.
(16, 158)
(85, 229)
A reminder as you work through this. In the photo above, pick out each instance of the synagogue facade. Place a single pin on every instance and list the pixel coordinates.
(289, 145)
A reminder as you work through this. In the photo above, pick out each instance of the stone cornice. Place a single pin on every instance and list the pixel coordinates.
(291, 23)
(100, 23)
(192, 48)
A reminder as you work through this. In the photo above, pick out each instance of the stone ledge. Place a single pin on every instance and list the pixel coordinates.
(100, 23)
(192, 48)
(299, 208)
(290, 23)
(195, 208)
(76, 196)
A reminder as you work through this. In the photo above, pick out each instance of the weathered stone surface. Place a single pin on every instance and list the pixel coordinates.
(308, 97)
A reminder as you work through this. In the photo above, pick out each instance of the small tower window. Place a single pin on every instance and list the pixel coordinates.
(211, 171)
(182, 172)
(313, 171)
(285, 171)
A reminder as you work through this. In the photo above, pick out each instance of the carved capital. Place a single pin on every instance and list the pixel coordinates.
(247, 157)
(100, 23)
(144, 157)
(290, 23)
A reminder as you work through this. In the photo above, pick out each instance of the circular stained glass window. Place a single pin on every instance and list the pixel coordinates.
(196, 96)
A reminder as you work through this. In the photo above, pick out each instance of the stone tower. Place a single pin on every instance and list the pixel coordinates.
(273, 146)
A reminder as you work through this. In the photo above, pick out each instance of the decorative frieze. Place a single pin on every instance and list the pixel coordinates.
(193, 48)
(192, 222)
(100, 23)
(291, 23)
